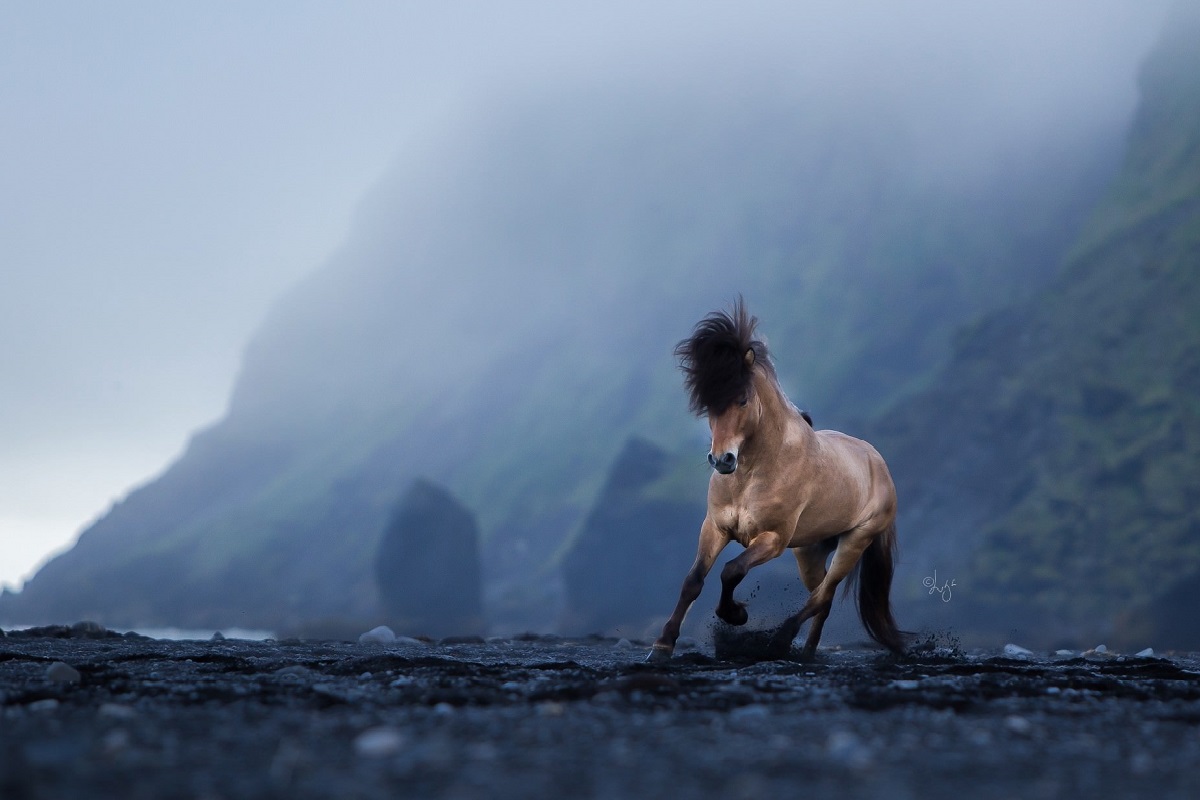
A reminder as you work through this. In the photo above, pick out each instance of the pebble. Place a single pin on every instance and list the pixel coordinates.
(378, 742)
(844, 747)
(48, 704)
(297, 671)
(1017, 651)
(115, 740)
(379, 635)
(1100, 648)
(1018, 724)
(623, 644)
(1064, 652)
(60, 672)
(217, 637)
(755, 712)
(1147, 653)
(117, 711)
(905, 684)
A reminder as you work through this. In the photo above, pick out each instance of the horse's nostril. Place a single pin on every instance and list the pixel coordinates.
(726, 464)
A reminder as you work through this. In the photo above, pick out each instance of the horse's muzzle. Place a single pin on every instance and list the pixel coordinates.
(725, 464)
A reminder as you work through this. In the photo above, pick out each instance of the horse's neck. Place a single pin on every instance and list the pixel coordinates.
(778, 416)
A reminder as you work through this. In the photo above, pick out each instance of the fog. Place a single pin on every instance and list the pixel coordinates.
(171, 172)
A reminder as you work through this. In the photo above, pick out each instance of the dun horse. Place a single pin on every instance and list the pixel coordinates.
(780, 484)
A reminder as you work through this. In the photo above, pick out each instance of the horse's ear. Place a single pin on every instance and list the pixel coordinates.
(750, 357)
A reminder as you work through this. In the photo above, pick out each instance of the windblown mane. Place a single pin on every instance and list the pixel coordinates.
(713, 359)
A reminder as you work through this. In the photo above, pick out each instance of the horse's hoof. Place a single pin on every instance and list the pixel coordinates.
(780, 647)
(781, 642)
(737, 615)
(659, 653)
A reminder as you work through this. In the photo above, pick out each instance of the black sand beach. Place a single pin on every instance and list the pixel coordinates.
(543, 716)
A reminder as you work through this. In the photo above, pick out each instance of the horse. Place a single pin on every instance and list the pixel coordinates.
(779, 484)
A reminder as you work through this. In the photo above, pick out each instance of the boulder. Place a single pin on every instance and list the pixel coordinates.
(427, 566)
(624, 569)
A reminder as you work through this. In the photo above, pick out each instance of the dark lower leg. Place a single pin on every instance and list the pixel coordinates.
(814, 632)
(664, 646)
(762, 549)
(817, 607)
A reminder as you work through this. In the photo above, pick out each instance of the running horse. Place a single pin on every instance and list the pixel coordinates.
(779, 484)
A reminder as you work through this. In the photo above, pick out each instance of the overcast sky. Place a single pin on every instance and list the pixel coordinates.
(168, 169)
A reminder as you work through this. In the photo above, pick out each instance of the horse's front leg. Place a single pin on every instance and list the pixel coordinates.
(762, 548)
(712, 542)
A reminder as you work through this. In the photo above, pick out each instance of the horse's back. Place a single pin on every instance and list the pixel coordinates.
(856, 464)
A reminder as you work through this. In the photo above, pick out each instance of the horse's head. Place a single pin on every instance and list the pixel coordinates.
(719, 362)
(732, 426)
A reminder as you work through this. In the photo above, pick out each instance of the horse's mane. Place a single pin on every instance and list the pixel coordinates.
(713, 359)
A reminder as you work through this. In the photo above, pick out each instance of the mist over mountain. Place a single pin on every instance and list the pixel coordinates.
(501, 320)
(1052, 465)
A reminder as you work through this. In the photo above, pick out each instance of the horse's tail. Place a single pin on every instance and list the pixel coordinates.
(877, 565)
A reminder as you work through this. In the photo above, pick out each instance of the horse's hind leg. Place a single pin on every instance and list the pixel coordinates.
(762, 548)
(811, 561)
(850, 547)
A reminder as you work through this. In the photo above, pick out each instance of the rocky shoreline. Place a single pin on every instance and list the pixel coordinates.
(92, 713)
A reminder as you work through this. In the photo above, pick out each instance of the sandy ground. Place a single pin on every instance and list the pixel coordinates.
(125, 716)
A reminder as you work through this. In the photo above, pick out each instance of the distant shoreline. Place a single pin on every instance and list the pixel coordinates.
(179, 634)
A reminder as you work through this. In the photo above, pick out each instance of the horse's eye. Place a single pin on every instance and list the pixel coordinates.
(743, 401)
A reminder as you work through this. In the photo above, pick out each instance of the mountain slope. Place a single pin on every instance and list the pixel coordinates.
(1054, 468)
(501, 321)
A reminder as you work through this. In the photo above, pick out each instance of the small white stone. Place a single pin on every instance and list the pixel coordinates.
(1147, 653)
(378, 742)
(379, 635)
(623, 644)
(115, 740)
(1018, 724)
(296, 671)
(1017, 651)
(755, 712)
(1052, 690)
(1100, 648)
(1064, 652)
(843, 746)
(905, 684)
(60, 672)
(48, 704)
(117, 711)
(443, 708)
